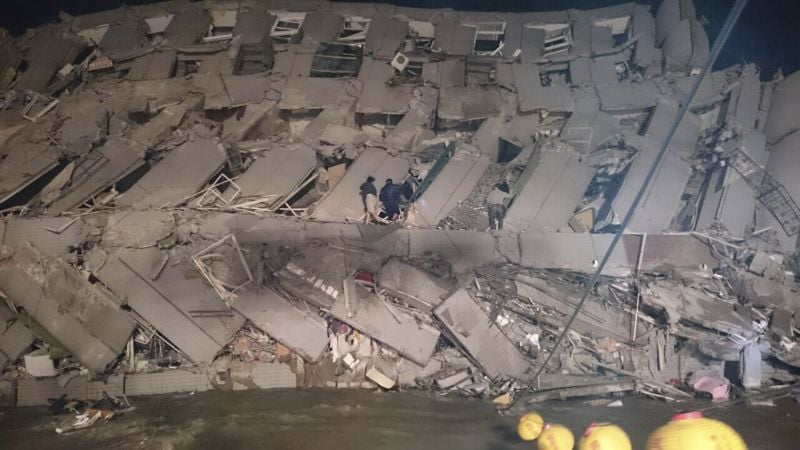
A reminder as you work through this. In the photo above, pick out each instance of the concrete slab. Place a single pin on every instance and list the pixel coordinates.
(180, 174)
(412, 285)
(450, 187)
(303, 331)
(167, 303)
(278, 173)
(85, 320)
(469, 326)
(377, 318)
(548, 191)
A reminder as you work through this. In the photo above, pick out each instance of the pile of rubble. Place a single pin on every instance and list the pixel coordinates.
(180, 210)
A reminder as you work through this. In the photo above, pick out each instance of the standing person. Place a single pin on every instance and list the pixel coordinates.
(369, 196)
(495, 203)
(390, 197)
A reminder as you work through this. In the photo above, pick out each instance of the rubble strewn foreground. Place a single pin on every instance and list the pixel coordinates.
(180, 209)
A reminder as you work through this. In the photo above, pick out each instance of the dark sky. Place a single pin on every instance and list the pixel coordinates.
(767, 34)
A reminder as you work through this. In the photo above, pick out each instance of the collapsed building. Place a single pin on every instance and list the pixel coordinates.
(180, 209)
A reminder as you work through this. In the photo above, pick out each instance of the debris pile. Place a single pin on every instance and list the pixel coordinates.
(179, 191)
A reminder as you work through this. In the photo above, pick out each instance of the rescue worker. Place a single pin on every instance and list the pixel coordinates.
(495, 203)
(390, 197)
(369, 197)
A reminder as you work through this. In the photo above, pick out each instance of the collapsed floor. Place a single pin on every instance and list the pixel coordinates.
(179, 188)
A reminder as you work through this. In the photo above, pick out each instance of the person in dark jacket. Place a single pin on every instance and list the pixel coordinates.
(390, 197)
(369, 197)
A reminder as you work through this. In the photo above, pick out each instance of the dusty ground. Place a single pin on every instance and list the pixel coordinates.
(355, 420)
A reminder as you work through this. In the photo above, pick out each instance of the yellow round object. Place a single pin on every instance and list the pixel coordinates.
(604, 436)
(555, 437)
(693, 431)
(530, 426)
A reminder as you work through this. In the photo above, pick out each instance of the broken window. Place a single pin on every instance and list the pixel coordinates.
(557, 38)
(354, 30)
(336, 60)
(489, 38)
(287, 27)
(619, 28)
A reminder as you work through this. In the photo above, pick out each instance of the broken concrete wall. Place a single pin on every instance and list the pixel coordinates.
(80, 315)
(301, 330)
(167, 300)
(548, 191)
(179, 175)
(660, 204)
(450, 187)
(376, 317)
(277, 174)
(117, 158)
(472, 329)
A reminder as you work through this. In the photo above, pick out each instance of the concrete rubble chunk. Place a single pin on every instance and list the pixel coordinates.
(381, 320)
(472, 329)
(78, 314)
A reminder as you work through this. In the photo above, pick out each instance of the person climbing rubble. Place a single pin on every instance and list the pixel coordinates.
(369, 196)
(495, 203)
(390, 197)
